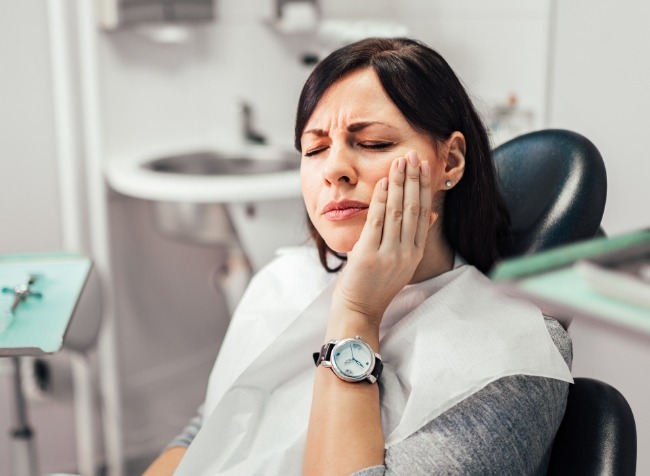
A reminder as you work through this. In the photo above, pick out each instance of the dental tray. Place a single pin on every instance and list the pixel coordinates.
(51, 285)
(601, 281)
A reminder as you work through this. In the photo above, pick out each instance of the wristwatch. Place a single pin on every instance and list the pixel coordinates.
(350, 359)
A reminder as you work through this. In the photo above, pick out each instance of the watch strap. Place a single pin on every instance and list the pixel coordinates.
(377, 369)
(324, 354)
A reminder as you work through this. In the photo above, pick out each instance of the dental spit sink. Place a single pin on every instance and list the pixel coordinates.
(210, 163)
(189, 190)
(208, 174)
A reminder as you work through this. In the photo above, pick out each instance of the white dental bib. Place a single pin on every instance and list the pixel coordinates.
(441, 341)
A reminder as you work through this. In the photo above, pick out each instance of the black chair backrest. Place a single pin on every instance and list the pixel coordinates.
(555, 185)
(597, 435)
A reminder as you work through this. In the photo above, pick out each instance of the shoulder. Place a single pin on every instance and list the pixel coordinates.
(561, 339)
(506, 428)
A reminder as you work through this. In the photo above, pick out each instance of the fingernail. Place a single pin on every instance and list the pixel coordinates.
(401, 164)
(424, 168)
(432, 219)
(413, 158)
(384, 183)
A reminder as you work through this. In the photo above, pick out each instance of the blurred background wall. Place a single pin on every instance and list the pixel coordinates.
(578, 65)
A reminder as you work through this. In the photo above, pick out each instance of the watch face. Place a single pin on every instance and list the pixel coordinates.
(352, 359)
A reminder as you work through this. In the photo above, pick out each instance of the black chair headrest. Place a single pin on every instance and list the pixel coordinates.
(554, 184)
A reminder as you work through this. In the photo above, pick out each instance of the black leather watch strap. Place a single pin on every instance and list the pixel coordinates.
(324, 354)
(377, 369)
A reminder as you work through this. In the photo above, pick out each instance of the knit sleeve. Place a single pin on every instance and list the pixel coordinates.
(507, 428)
(185, 437)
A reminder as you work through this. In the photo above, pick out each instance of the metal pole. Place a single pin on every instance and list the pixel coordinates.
(24, 460)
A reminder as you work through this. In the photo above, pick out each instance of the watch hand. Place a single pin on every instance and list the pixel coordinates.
(359, 363)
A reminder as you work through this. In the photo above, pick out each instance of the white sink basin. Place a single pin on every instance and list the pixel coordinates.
(209, 175)
(213, 163)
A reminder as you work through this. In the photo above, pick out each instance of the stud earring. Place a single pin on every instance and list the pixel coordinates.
(448, 183)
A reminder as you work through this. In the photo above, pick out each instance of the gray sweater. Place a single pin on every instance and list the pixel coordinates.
(507, 428)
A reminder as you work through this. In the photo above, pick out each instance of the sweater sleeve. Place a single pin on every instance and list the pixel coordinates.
(506, 428)
(185, 437)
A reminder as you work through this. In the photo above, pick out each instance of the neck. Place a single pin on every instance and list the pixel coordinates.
(438, 257)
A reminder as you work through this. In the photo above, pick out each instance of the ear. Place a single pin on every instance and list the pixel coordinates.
(454, 161)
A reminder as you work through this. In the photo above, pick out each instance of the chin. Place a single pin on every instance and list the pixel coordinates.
(342, 241)
(340, 236)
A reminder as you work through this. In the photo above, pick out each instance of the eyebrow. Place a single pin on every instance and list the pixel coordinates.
(354, 127)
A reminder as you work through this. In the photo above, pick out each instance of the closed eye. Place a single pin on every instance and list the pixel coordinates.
(376, 145)
(314, 152)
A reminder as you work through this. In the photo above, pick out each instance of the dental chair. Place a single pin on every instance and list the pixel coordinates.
(597, 435)
(555, 185)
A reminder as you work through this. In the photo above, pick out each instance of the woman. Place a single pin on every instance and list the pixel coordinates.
(402, 202)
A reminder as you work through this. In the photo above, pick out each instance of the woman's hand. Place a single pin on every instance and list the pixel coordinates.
(392, 241)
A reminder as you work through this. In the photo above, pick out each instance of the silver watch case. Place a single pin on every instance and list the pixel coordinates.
(366, 375)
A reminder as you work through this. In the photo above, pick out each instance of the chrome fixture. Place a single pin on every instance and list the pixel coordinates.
(251, 136)
(254, 161)
(115, 14)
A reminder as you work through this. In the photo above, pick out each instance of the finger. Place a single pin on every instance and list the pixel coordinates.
(394, 205)
(371, 233)
(411, 201)
(426, 200)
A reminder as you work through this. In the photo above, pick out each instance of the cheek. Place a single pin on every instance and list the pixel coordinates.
(378, 173)
(375, 172)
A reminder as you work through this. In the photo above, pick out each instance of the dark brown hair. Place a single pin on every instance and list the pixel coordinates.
(432, 99)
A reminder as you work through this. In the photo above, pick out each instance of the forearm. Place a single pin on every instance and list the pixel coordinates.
(345, 432)
(167, 462)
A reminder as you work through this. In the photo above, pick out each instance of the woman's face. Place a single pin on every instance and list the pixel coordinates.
(348, 145)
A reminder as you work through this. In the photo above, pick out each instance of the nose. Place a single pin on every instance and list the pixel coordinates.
(340, 167)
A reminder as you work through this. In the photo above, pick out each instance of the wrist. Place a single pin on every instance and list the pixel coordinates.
(346, 323)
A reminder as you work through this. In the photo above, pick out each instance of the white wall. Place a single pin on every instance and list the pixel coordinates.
(497, 48)
(600, 83)
(29, 200)
(28, 188)
(183, 94)
(600, 89)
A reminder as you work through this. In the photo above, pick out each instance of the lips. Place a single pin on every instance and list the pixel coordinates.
(343, 210)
